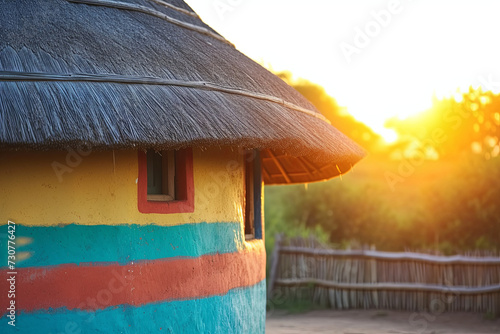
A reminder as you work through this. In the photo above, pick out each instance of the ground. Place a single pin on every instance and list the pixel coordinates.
(371, 322)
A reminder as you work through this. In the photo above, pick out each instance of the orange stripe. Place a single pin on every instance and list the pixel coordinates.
(91, 287)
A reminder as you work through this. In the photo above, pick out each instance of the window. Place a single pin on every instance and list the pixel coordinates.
(253, 196)
(165, 183)
(161, 175)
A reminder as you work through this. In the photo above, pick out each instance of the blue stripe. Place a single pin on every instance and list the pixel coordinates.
(77, 244)
(239, 311)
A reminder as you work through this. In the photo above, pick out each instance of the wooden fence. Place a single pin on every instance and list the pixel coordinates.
(369, 279)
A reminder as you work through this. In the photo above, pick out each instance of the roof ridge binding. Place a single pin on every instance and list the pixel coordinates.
(144, 80)
(153, 12)
(181, 10)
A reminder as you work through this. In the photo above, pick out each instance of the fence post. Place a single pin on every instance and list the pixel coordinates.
(275, 258)
(373, 271)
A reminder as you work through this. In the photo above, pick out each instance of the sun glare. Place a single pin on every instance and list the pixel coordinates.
(396, 72)
(389, 136)
(375, 110)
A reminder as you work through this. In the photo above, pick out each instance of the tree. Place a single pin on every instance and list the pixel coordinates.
(337, 115)
(454, 126)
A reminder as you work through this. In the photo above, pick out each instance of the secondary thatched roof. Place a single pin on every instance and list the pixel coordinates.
(151, 74)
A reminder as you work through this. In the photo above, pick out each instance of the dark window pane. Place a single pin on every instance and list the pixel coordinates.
(249, 195)
(155, 171)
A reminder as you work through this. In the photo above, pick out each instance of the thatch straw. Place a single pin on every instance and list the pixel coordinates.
(144, 75)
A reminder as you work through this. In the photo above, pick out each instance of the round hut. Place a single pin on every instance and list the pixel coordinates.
(134, 145)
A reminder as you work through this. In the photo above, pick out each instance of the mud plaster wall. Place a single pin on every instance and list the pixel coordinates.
(89, 260)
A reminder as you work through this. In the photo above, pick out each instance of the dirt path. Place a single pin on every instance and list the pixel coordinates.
(371, 322)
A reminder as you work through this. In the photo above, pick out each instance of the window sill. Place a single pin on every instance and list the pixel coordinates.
(160, 198)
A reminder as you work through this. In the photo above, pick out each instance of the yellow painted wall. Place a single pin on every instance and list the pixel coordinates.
(98, 191)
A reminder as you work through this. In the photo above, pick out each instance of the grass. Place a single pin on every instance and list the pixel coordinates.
(380, 314)
(490, 316)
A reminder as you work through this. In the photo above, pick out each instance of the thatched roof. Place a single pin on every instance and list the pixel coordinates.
(150, 74)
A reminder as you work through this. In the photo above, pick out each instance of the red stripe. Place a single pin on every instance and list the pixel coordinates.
(91, 287)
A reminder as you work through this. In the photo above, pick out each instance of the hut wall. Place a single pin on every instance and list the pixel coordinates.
(88, 260)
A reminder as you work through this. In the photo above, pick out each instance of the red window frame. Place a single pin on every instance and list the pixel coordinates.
(184, 186)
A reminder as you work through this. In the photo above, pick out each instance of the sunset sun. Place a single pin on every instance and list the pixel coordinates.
(398, 63)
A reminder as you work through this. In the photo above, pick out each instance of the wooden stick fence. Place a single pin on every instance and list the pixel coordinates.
(343, 279)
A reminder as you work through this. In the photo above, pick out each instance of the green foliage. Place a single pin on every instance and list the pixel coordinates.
(454, 211)
(454, 126)
(448, 203)
(298, 306)
(293, 300)
(490, 316)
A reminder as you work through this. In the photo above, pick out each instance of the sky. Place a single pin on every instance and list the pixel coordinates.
(378, 58)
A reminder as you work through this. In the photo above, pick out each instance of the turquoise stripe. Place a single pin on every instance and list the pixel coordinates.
(122, 243)
(239, 311)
